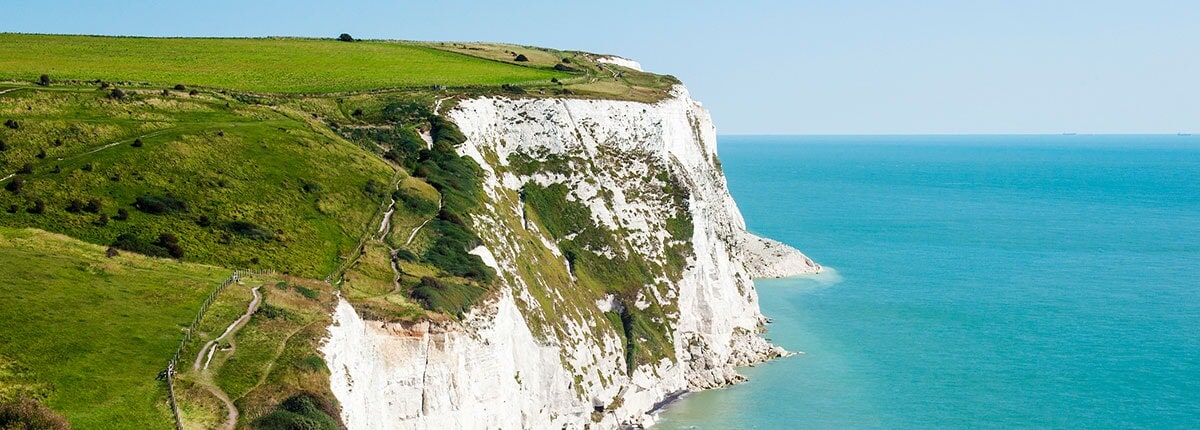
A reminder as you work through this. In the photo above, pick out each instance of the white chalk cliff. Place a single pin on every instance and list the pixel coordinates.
(541, 353)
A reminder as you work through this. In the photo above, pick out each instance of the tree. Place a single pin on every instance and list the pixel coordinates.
(180, 87)
(44, 80)
(25, 413)
(137, 143)
(345, 38)
(521, 57)
(116, 94)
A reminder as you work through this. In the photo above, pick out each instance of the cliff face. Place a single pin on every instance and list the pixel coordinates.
(556, 346)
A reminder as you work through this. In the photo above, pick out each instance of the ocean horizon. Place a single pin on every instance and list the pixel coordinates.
(973, 281)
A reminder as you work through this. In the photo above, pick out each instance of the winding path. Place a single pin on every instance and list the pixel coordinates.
(211, 347)
(413, 235)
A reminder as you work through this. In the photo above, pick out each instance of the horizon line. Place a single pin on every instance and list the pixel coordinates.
(1176, 134)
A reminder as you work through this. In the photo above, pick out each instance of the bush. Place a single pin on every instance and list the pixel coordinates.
(249, 230)
(137, 143)
(12, 123)
(159, 205)
(12, 209)
(87, 167)
(102, 221)
(44, 80)
(39, 207)
(308, 293)
(193, 92)
(26, 169)
(521, 57)
(203, 221)
(41, 155)
(180, 87)
(26, 413)
(122, 215)
(15, 185)
(565, 68)
(116, 94)
(75, 206)
(345, 37)
(167, 245)
(513, 89)
(302, 411)
(92, 206)
(3, 146)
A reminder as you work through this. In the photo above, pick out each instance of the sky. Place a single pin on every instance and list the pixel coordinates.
(781, 67)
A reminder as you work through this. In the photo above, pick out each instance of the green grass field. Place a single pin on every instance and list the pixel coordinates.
(93, 331)
(278, 65)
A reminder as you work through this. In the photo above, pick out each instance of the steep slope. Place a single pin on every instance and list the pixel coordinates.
(624, 269)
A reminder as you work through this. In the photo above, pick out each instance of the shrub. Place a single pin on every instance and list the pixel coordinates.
(116, 94)
(111, 252)
(566, 60)
(180, 87)
(12, 209)
(104, 85)
(203, 221)
(448, 297)
(12, 123)
(102, 221)
(3, 146)
(166, 92)
(57, 169)
(159, 205)
(38, 207)
(167, 245)
(92, 206)
(26, 413)
(373, 188)
(521, 57)
(15, 185)
(44, 80)
(137, 143)
(193, 92)
(26, 169)
(87, 167)
(345, 37)
(249, 230)
(75, 206)
(308, 293)
(357, 113)
(513, 89)
(41, 155)
(565, 68)
(122, 215)
(302, 411)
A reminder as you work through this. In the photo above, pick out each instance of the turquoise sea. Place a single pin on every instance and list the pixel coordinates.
(973, 282)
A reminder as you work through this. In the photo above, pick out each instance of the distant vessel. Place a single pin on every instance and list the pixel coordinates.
(1069, 134)
(1183, 134)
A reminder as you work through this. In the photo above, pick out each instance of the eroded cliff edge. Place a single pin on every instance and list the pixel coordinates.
(624, 271)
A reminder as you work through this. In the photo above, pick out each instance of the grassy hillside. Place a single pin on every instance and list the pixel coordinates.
(281, 65)
(240, 184)
(93, 332)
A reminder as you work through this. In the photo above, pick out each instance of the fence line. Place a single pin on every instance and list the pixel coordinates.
(169, 374)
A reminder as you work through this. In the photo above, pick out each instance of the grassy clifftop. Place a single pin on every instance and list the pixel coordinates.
(280, 65)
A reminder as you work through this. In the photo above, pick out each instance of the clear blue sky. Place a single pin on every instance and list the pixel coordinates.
(782, 67)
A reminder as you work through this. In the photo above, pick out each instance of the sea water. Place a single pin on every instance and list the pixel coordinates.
(972, 282)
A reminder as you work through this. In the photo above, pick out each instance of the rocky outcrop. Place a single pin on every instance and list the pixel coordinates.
(546, 352)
